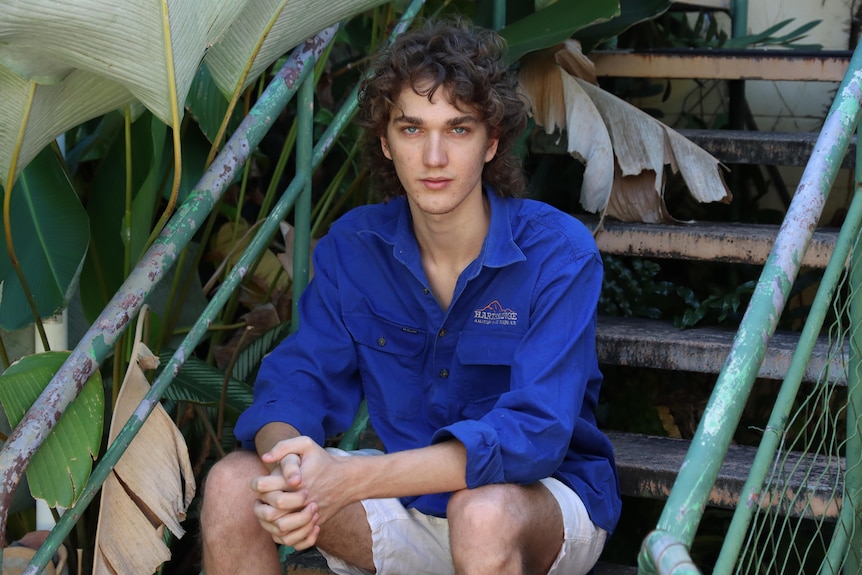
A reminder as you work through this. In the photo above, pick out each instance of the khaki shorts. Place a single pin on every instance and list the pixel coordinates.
(407, 541)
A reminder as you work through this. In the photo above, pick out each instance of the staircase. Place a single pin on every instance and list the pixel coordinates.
(649, 463)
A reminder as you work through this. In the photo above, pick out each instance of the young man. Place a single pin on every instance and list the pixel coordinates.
(466, 319)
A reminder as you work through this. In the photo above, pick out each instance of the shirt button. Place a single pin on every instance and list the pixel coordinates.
(425, 291)
(444, 373)
(381, 341)
(442, 332)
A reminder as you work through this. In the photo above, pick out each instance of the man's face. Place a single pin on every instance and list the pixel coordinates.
(438, 151)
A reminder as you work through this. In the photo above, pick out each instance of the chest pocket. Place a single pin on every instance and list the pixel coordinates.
(385, 336)
(485, 362)
(389, 362)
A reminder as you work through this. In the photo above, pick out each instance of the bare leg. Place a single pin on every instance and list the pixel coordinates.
(504, 529)
(233, 540)
(348, 536)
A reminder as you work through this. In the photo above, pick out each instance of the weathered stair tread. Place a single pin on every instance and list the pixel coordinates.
(637, 342)
(312, 563)
(720, 64)
(648, 466)
(704, 241)
(762, 147)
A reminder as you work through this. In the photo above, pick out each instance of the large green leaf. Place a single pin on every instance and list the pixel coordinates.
(53, 109)
(50, 233)
(631, 12)
(104, 268)
(208, 105)
(555, 23)
(291, 21)
(117, 51)
(60, 468)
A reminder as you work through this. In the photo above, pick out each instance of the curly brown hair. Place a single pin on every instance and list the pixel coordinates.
(468, 61)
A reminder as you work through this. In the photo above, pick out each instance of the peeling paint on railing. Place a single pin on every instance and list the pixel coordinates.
(254, 130)
(685, 505)
(97, 343)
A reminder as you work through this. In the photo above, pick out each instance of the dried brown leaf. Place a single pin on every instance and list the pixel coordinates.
(642, 143)
(541, 83)
(150, 487)
(558, 103)
(286, 258)
(572, 60)
(591, 143)
(634, 200)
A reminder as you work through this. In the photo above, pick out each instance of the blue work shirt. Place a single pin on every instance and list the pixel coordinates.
(509, 369)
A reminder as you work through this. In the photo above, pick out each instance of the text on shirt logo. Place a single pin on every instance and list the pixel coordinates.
(495, 314)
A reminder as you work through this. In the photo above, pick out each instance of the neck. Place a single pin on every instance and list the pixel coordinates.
(447, 245)
(455, 239)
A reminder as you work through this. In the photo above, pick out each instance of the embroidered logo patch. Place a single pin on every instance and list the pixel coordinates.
(495, 314)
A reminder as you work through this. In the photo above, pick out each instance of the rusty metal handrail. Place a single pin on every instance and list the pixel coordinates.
(688, 498)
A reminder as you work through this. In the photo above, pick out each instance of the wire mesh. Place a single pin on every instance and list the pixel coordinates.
(798, 526)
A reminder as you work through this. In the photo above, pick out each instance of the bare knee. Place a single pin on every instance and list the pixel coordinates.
(504, 529)
(492, 509)
(231, 536)
(227, 493)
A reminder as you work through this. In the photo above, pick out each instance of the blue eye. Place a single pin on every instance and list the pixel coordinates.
(410, 129)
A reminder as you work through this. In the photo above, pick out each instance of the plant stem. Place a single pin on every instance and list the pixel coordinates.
(7, 219)
(4, 356)
(228, 372)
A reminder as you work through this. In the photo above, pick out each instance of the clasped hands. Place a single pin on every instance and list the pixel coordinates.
(300, 493)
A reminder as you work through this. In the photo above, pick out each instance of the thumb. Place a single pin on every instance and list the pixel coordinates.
(294, 446)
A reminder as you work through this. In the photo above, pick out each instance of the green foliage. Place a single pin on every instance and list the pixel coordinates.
(50, 236)
(61, 466)
(719, 306)
(201, 383)
(678, 30)
(631, 289)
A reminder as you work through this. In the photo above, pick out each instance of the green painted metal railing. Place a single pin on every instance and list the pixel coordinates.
(665, 551)
(127, 302)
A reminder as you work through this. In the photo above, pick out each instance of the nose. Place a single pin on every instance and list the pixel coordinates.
(434, 153)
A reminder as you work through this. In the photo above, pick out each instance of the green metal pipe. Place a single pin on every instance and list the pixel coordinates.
(151, 399)
(98, 341)
(302, 211)
(750, 496)
(499, 14)
(688, 498)
(850, 523)
(666, 554)
(739, 18)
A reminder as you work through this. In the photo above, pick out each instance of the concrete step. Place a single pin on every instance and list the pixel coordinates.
(754, 147)
(312, 563)
(704, 241)
(637, 342)
(762, 147)
(723, 64)
(648, 466)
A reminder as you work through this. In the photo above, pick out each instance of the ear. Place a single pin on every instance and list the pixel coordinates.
(384, 145)
(492, 149)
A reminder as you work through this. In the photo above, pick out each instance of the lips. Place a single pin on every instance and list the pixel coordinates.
(435, 183)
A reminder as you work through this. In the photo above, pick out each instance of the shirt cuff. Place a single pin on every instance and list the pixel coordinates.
(257, 416)
(484, 458)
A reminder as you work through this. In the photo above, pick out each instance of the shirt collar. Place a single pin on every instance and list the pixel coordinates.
(498, 250)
